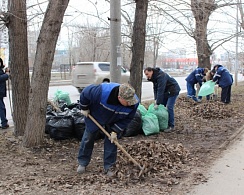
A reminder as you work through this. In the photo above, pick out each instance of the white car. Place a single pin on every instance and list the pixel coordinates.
(86, 73)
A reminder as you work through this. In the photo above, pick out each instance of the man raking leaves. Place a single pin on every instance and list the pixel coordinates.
(113, 106)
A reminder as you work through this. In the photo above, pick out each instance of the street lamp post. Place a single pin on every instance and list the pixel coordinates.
(115, 46)
(236, 60)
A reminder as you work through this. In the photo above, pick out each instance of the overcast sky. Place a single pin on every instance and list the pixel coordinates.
(86, 11)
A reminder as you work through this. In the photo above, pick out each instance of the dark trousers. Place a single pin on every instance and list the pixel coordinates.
(225, 94)
(86, 148)
(4, 120)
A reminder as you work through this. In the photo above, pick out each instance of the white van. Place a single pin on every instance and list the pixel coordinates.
(86, 73)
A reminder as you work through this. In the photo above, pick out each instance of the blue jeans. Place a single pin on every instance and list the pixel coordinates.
(169, 103)
(4, 120)
(191, 92)
(86, 148)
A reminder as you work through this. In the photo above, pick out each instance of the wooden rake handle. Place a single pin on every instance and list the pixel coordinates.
(116, 142)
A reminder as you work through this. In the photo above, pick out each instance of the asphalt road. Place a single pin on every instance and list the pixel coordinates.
(147, 91)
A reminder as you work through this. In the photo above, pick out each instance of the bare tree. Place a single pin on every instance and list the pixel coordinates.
(16, 21)
(138, 48)
(46, 45)
(202, 11)
(182, 13)
(241, 12)
(93, 43)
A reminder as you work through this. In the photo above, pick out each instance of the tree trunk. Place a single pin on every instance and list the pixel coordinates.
(46, 45)
(138, 47)
(202, 10)
(18, 63)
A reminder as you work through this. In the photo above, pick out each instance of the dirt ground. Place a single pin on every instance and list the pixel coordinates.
(173, 161)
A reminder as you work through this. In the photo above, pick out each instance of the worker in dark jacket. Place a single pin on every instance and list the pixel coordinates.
(4, 75)
(166, 90)
(225, 80)
(195, 77)
(113, 106)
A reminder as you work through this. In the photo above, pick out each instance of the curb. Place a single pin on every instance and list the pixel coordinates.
(60, 82)
(232, 138)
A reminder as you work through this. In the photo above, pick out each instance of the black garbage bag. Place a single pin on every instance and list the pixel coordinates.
(50, 113)
(73, 105)
(80, 126)
(79, 123)
(135, 126)
(61, 127)
(62, 105)
(47, 127)
(49, 108)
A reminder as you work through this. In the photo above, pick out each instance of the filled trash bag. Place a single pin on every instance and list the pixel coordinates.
(80, 126)
(49, 116)
(61, 95)
(79, 123)
(50, 113)
(61, 127)
(142, 109)
(150, 124)
(135, 126)
(162, 115)
(73, 105)
(207, 88)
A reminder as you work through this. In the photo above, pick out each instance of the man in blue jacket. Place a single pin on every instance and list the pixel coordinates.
(166, 90)
(113, 106)
(4, 75)
(225, 80)
(195, 77)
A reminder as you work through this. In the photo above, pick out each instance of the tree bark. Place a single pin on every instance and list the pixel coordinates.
(46, 45)
(202, 10)
(18, 63)
(138, 45)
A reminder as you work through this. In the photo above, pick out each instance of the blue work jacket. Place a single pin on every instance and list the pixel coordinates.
(196, 76)
(95, 98)
(163, 85)
(223, 77)
(3, 78)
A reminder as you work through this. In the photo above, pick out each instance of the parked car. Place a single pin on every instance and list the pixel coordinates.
(86, 73)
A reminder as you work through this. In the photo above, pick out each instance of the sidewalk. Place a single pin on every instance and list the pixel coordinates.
(226, 176)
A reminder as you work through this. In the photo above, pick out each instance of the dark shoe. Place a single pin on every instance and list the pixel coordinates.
(198, 100)
(169, 130)
(110, 172)
(5, 127)
(81, 169)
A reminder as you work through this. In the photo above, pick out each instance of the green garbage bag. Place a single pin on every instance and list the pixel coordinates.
(142, 109)
(162, 115)
(150, 124)
(61, 95)
(207, 88)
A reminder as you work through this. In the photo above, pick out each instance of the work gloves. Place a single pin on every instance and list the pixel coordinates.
(155, 105)
(113, 137)
(85, 112)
